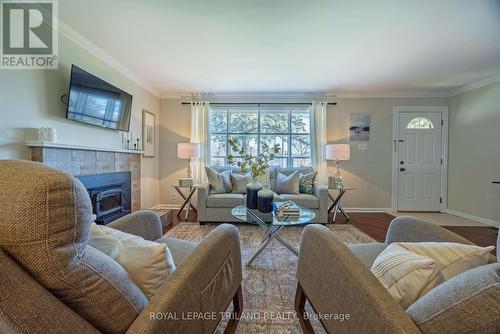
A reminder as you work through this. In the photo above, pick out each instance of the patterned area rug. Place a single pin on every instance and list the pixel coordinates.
(269, 284)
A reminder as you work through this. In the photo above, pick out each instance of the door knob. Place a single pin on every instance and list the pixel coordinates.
(402, 169)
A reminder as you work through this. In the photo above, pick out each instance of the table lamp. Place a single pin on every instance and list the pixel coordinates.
(338, 152)
(188, 151)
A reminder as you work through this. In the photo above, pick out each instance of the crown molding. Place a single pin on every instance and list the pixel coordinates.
(274, 97)
(475, 85)
(357, 95)
(86, 44)
(290, 97)
(172, 96)
(335, 95)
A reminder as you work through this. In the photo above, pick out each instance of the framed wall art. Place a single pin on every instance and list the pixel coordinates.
(148, 133)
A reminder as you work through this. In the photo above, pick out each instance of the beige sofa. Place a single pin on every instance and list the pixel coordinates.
(217, 207)
(336, 279)
(52, 281)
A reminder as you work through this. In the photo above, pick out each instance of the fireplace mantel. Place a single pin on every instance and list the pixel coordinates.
(78, 147)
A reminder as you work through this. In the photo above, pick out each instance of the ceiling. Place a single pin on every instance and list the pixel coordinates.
(228, 46)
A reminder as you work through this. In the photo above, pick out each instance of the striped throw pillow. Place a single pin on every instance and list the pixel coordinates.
(452, 258)
(407, 276)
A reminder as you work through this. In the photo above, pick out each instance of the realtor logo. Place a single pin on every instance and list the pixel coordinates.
(29, 34)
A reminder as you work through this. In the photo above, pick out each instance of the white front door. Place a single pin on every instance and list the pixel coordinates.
(419, 161)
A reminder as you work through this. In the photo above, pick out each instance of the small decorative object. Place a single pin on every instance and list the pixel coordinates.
(338, 152)
(188, 151)
(124, 139)
(359, 129)
(258, 166)
(47, 135)
(185, 182)
(287, 208)
(148, 134)
(331, 182)
(265, 199)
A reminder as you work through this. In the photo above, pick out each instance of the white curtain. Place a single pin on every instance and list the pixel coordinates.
(319, 139)
(199, 135)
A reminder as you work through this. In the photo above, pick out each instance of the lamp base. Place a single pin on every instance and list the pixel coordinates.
(189, 168)
(337, 180)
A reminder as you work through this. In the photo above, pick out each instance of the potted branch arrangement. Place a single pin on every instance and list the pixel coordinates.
(258, 196)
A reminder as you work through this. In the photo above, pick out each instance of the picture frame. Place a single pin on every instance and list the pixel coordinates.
(359, 127)
(148, 133)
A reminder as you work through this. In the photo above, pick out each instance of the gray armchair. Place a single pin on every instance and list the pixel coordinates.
(52, 281)
(336, 279)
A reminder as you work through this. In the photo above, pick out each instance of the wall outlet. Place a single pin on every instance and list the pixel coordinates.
(362, 147)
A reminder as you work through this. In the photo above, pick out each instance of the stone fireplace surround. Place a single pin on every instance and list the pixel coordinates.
(81, 160)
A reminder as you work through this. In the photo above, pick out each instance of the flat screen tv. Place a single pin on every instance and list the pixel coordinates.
(94, 101)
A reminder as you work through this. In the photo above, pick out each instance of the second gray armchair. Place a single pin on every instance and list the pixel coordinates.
(336, 279)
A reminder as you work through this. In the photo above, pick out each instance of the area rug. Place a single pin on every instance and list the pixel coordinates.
(269, 284)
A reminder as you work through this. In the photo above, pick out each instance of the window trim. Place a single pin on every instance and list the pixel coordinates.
(410, 126)
(259, 110)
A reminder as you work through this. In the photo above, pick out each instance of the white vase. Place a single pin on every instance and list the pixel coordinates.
(265, 198)
(47, 135)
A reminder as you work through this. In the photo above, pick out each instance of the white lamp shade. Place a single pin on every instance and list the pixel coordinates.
(338, 152)
(188, 150)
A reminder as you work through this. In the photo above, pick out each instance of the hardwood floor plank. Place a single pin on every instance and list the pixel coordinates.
(376, 224)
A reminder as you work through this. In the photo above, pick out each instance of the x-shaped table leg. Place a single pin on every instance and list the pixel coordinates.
(187, 200)
(271, 233)
(336, 205)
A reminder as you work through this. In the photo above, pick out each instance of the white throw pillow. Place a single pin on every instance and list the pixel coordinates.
(239, 182)
(147, 262)
(287, 184)
(106, 243)
(220, 182)
(407, 276)
(452, 258)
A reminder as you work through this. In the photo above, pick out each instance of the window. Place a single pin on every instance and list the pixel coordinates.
(420, 123)
(252, 127)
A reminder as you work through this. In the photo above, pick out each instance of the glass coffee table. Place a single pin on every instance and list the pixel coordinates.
(272, 224)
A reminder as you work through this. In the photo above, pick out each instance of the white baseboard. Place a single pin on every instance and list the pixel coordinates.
(167, 207)
(474, 218)
(367, 210)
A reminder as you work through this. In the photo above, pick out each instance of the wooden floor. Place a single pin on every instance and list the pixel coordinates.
(376, 224)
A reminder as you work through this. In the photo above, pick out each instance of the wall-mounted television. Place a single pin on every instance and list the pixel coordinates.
(92, 100)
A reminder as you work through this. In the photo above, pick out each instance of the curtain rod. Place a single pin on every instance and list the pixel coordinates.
(272, 103)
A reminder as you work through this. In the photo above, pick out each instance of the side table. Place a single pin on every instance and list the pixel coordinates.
(337, 202)
(187, 199)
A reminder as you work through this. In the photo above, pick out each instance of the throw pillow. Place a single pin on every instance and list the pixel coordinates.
(407, 276)
(287, 184)
(239, 182)
(104, 242)
(148, 263)
(306, 183)
(452, 258)
(220, 183)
